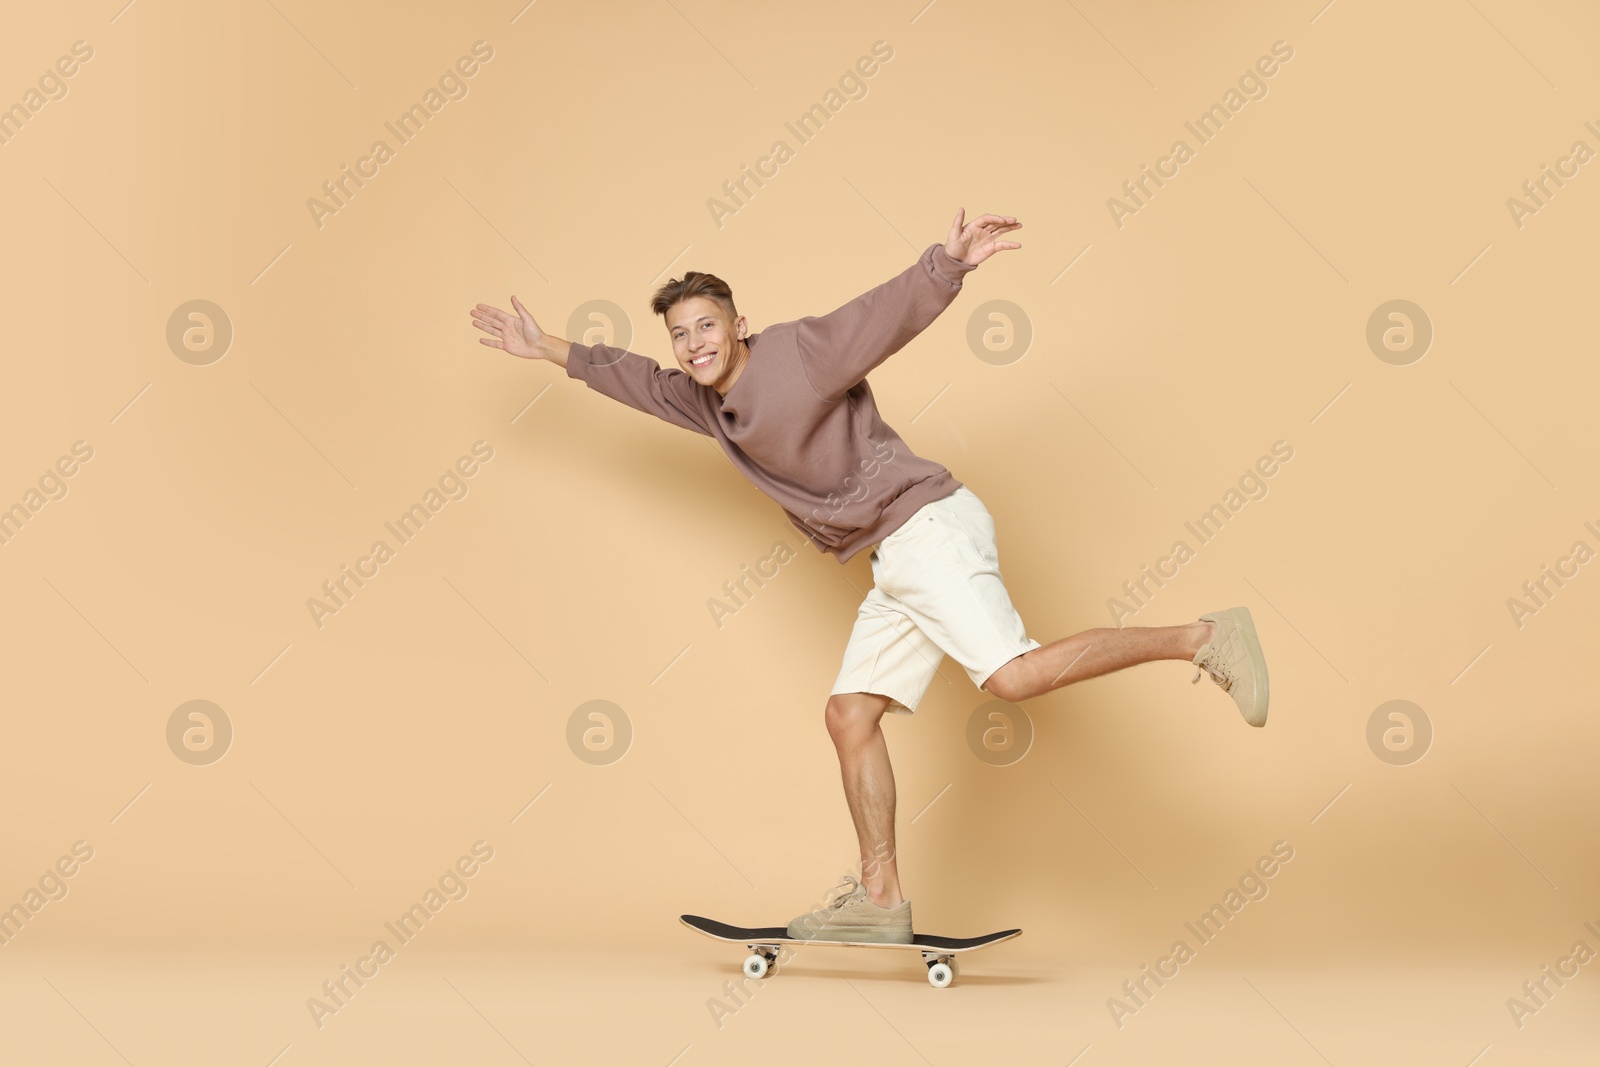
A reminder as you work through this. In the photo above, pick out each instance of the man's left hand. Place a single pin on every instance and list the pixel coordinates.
(973, 242)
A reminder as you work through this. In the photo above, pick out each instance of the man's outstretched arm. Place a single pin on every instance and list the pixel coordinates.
(632, 379)
(840, 348)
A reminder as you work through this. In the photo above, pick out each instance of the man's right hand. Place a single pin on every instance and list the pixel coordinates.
(517, 334)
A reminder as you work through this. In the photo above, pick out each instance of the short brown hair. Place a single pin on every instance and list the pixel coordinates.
(691, 285)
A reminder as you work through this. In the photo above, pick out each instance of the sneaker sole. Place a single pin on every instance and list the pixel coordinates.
(1258, 664)
(873, 934)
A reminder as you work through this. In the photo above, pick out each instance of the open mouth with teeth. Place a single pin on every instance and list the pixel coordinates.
(703, 361)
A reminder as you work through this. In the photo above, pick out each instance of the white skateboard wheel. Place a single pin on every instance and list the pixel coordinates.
(755, 965)
(940, 975)
(955, 969)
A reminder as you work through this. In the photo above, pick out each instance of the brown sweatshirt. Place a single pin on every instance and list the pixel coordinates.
(800, 421)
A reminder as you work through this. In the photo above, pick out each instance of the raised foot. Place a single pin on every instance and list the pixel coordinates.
(1234, 659)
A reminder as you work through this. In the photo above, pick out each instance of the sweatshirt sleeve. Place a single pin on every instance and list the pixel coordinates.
(838, 349)
(640, 383)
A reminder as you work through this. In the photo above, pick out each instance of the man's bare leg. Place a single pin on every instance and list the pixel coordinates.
(1092, 653)
(854, 724)
(868, 788)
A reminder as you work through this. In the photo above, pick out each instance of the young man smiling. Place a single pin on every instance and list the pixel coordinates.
(792, 410)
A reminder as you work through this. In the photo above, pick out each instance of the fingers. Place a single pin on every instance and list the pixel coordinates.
(492, 321)
(520, 309)
(997, 223)
(485, 313)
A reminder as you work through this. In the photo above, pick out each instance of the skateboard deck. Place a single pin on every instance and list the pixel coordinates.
(767, 942)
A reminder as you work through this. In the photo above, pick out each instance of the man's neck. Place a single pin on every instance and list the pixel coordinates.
(742, 359)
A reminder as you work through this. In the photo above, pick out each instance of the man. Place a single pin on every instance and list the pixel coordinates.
(791, 408)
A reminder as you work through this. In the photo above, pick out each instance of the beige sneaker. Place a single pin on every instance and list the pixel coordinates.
(852, 916)
(1233, 659)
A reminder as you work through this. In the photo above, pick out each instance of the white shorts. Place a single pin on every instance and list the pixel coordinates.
(936, 590)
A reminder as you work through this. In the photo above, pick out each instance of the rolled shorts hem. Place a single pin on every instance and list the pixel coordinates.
(1029, 647)
(897, 705)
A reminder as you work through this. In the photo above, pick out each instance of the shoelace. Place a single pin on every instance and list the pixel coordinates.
(852, 889)
(1214, 665)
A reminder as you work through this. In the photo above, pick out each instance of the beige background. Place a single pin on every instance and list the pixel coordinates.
(1227, 314)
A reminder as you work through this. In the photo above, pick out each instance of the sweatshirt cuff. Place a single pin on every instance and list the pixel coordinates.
(577, 360)
(948, 267)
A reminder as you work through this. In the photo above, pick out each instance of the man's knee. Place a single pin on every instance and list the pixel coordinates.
(1009, 683)
(852, 716)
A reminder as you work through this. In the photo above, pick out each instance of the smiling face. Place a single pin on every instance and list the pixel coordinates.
(709, 345)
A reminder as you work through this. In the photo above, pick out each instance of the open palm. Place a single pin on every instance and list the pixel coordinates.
(973, 242)
(517, 334)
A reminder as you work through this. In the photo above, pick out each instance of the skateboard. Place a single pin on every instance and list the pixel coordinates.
(767, 942)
